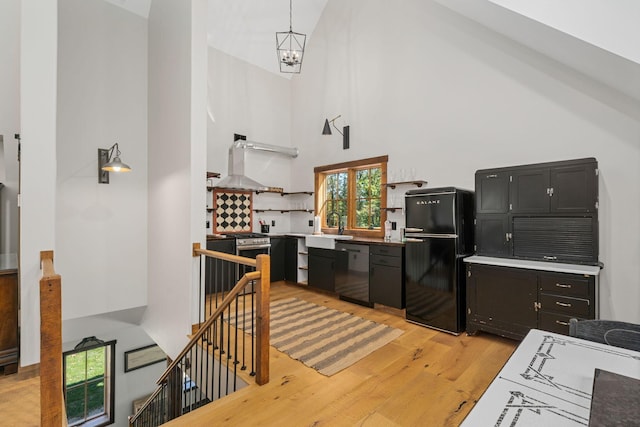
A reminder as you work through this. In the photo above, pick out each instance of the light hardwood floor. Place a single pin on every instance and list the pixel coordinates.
(20, 399)
(422, 378)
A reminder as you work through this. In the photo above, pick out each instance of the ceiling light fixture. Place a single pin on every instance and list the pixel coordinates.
(290, 47)
(107, 162)
(326, 130)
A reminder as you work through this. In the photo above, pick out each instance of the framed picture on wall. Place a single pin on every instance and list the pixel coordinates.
(143, 356)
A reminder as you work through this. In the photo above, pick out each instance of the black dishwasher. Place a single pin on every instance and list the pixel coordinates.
(352, 273)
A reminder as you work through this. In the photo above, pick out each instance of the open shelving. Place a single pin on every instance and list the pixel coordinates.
(417, 183)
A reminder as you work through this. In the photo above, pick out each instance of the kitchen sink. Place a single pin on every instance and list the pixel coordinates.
(324, 241)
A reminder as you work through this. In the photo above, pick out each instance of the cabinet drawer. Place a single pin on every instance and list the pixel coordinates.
(566, 284)
(392, 261)
(386, 250)
(553, 322)
(565, 305)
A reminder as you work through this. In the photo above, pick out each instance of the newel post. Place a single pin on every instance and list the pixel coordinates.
(263, 265)
(51, 402)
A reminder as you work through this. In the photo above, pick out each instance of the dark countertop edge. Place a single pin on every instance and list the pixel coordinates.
(365, 240)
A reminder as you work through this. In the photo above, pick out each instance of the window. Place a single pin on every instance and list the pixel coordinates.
(352, 195)
(89, 383)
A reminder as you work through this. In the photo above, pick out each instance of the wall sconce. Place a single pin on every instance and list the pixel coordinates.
(107, 162)
(345, 131)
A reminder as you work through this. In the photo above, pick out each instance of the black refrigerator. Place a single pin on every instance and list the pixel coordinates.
(439, 234)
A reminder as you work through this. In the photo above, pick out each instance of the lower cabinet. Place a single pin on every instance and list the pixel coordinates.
(510, 301)
(9, 321)
(221, 279)
(278, 256)
(386, 279)
(322, 266)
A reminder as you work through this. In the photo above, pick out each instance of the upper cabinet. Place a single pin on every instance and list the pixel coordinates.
(492, 192)
(545, 211)
(560, 189)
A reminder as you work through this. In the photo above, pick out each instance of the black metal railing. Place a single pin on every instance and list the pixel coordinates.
(230, 346)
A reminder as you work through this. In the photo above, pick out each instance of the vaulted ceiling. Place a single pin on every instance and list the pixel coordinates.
(246, 29)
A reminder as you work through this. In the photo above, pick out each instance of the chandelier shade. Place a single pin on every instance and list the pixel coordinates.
(290, 47)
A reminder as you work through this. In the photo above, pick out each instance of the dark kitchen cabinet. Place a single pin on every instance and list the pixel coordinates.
(322, 267)
(574, 188)
(562, 296)
(492, 235)
(9, 320)
(510, 301)
(220, 276)
(501, 300)
(492, 192)
(386, 278)
(291, 259)
(278, 255)
(529, 191)
(545, 212)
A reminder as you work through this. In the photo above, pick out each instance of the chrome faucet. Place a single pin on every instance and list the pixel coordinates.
(340, 226)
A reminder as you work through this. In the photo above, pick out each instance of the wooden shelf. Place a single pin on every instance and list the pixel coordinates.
(416, 183)
(303, 253)
(278, 190)
(309, 193)
(209, 210)
(392, 209)
(213, 175)
(284, 193)
(304, 267)
(283, 210)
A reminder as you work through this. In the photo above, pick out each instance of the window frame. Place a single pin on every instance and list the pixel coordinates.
(108, 417)
(320, 173)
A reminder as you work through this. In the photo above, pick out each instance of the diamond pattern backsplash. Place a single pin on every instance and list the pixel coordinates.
(232, 211)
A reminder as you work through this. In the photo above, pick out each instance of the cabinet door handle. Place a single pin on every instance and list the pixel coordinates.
(492, 176)
(559, 322)
(563, 285)
(563, 304)
(550, 258)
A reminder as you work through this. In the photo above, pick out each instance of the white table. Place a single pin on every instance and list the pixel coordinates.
(548, 381)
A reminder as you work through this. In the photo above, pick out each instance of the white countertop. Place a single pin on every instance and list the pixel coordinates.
(591, 270)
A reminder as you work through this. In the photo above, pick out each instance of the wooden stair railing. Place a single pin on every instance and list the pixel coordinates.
(52, 411)
(195, 376)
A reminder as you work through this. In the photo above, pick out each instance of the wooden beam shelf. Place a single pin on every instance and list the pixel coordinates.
(283, 210)
(213, 175)
(416, 183)
(392, 209)
(309, 193)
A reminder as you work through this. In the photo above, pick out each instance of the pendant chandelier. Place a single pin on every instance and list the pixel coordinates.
(290, 47)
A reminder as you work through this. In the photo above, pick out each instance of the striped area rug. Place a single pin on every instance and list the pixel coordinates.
(324, 339)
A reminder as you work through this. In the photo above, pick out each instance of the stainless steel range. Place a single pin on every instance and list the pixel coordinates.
(250, 245)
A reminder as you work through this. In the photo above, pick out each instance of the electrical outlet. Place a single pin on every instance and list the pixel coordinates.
(273, 222)
(393, 225)
(310, 223)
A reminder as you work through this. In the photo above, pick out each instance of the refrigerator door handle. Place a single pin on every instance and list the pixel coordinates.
(434, 236)
(413, 230)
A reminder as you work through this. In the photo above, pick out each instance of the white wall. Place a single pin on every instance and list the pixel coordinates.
(176, 139)
(248, 100)
(122, 327)
(101, 233)
(9, 122)
(446, 96)
(38, 67)
(612, 26)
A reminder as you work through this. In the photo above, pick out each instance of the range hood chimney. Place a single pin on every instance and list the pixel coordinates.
(237, 179)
